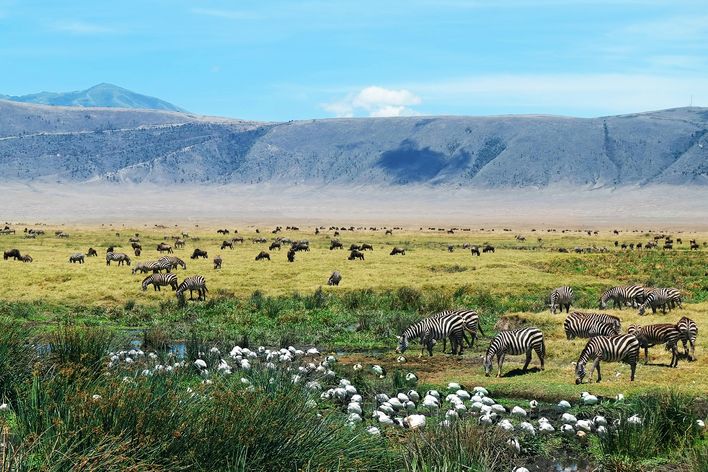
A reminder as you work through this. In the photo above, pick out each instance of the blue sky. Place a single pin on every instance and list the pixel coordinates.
(281, 60)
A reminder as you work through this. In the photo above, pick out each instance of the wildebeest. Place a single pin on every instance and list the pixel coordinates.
(138, 251)
(92, 252)
(356, 255)
(135, 245)
(163, 247)
(488, 248)
(227, 244)
(474, 250)
(335, 278)
(274, 245)
(217, 262)
(110, 249)
(291, 255)
(367, 247)
(388, 231)
(334, 244)
(134, 239)
(355, 247)
(259, 240)
(450, 248)
(262, 255)
(14, 253)
(179, 243)
(78, 257)
(198, 253)
(300, 246)
(398, 250)
(222, 231)
(26, 258)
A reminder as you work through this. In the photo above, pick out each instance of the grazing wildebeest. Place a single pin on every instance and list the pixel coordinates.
(300, 246)
(388, 231)
(199, 253)
(668, 246)
(262, 255)
(694, 245)
(138, 251)
(237, 240)
(26, 258)
(14, 253)
(134, 239)
(217, 262)
(474, 250)
(367, 247)
(179, 243)
(163, 247)
(259, 240)
(488, 248)
(355, 247)
(136, 245)
(78, 257)
(222, 231)
(335, 278)
(291, 255)
(92, 252)
(227, 244)
(398, 250)
(356, 255)
(336, 234)
(450, 248)
(334, 244)
(274, 245)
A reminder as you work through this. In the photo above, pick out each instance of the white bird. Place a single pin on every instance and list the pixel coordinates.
(463, 394)
(451, 415)
(381, 397)
(351, 390)
(433, 393)
(583, 425)
(402, 397)
(481, 390)
(518, 411)
(340, 393)
(486, 419)
(245, 365)
(497, 408)
(619, 397)
(567, 429)
(431, 402)
(505, 425)
(354, 418)
(356, 398)
(488, 401)
(533, 404)
(453, 386)
(410, 406)
(387, 408)
(358, 366)
(413, 395)
(527, 428)
(634, 420)
(129, 360)
(414, 421)
(373, 430)
(563, 405)
(313, 352)
(589, 399)
(545, 427)
(331, 359)
(385, 419)
(514, 445)
(599, 421)
(311, 404)
(411, 377)
(521, 469)
(701, 424)
(460, 407)
(400, 359)
(568, 418)
(601, 430)
(314, 385)
(452, 398)
(354, 408)
(395, 403)
(344, 382)
(95, 397)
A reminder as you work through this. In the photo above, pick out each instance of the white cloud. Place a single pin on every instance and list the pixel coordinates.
(375, 101)
(81, 27)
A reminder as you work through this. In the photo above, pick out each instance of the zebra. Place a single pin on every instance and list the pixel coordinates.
(515, 342)
(118, 257)
(160, 280)
(562, 297)
(657, 298)
(675, 298)
(663, 333)
(623, 348)
(172, 262)
(471, 324)
(76, 257)
(429, 330)
(145, 267)
(627, 294)
(689, 331)
(588, 325)
(195, 282)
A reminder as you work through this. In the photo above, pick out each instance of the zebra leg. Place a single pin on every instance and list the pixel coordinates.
(674, 356)
(540, 352)
(444, 345)
(633, 367)
(528, 360)
(500, 363)
(646, 355)
(460, 345)
(597, 361)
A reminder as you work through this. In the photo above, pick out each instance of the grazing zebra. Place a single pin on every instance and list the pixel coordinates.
(118, 257)
(195, 282)
(431, 329)
(145, 267)
(588, 325)
(471, 324)
(78, 257)
(627, 294)
(217, 262)
(160, 280)
(335, 278)
(562, 297)
(623, 348)
(172, 262)
(651, 335)
(689, 331)
(657, 298)
(515, 342)
(674, 297)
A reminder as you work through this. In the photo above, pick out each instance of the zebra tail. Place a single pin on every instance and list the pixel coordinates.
(479, 326)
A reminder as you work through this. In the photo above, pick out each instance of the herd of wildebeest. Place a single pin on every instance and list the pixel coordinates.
(605, 340)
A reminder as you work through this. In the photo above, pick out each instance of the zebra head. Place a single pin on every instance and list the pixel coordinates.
(487, 365)
(603, 303)
(579, 373)
(146, 281)
(642, 309)
(402, 344)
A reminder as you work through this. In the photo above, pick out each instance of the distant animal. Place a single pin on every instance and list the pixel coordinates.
(367, 247)
(118, 257)
(198, 253)
(657, 298)
(195, 282)
(622, 295)
(354, 247)
(300, 246)
(398, 250)
(136, 245)
(262, 255)
(562, 297)
(145, 267)
(14, 253)
(274, 245)
(171, 262)
(429, 330)
(388, 231)
(334, 244)
(450, 248)
(92, 252)
(163, 247)
(291, 255)
(137, 252)
(474, 250)
(488, 248)
(227, 244)
(335, 278)
(217, 262)
(26, 258)
(179, 243)
(160, 280)
(222, 231)
(519, 341)
(78, 257)
(588, 325)
(356, 255)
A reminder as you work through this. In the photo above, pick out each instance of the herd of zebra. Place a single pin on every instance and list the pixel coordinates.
(636, 296)
(603, 331)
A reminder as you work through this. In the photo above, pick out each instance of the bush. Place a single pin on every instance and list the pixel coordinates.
(81, 347)
(17, 357)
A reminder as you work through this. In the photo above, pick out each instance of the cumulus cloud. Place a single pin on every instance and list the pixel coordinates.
(375, 101)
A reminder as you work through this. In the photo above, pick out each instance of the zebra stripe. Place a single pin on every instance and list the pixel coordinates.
(145, 266)
(172, 262)
(195, 282)
(628, 294)
(562, 297)
(623, 348)
(515, 342)
(471, 324)
(654, 334)
(118, 257)
(657, 298)
(160, 280)
(689, 331)
(431, 329)
(588, 325)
